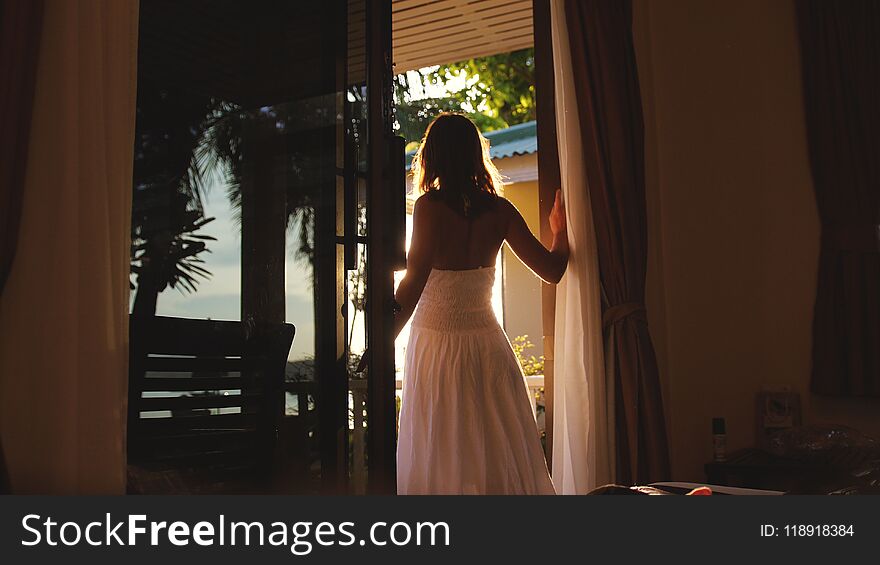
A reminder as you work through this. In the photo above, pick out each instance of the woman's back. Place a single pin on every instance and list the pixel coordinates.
(467, 242)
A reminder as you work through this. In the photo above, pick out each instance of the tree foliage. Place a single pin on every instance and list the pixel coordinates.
(170, 169)
(530, 364)
(498, 91)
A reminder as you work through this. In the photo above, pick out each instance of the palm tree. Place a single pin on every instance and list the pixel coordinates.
(238, 140)
(167, 252)
(182, 139)
(170, 166)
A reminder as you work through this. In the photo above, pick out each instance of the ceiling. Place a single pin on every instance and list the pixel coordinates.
(239, 51)
(435, 32)
(244, 53)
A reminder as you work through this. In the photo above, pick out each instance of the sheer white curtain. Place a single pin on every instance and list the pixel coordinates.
(64, 311)
(583, 404)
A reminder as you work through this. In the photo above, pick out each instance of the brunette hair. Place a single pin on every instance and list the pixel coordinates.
(453, 164)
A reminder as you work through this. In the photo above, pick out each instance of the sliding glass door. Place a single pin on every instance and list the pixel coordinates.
(261, 195)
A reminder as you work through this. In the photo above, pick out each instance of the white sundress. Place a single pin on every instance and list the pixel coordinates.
(466, 423)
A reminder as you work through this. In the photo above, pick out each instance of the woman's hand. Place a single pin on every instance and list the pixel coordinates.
(557, 215)
(559, 249)
(549, 264)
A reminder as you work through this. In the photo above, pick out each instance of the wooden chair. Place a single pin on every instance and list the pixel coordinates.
(206, 400)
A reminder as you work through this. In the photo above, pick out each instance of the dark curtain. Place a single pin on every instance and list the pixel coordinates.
(840, 49)
(607, 90)
(20, 25)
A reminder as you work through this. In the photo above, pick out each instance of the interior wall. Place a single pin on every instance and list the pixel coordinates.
(732, 219)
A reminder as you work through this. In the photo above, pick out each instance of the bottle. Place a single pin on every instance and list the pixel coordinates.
(719, 440)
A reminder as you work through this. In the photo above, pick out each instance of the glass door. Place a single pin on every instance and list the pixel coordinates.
(261, 169)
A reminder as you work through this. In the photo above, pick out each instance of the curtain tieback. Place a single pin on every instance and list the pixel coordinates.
(854, 236)
(622, 311)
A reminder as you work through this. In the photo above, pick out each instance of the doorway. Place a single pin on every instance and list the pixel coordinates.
(492, 61)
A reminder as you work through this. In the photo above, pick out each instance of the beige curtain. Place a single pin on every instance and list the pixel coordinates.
(582, 436)
(64, 311)
(612, 135)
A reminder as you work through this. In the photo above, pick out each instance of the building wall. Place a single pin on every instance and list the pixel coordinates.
(522, 289)
(732, 219)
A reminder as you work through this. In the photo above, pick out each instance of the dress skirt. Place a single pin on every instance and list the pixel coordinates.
(466, 423)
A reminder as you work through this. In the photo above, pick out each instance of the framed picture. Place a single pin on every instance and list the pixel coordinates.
(776, 410)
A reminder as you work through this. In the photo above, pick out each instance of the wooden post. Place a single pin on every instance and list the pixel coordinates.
(263, 230)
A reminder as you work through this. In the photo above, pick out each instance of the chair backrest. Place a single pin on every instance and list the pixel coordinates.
(205, 393)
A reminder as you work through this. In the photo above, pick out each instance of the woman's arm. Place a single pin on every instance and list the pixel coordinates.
(418, 267)
(418, 261)
(549, 264)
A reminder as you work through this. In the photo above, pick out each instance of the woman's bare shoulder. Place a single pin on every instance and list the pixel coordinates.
(427, 207)
(426, 201)
(505, 207)
(503, 203)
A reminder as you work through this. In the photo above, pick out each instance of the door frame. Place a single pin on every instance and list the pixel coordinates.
(383, 239)
(549, 179)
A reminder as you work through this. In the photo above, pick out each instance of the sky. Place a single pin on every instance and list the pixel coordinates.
(219, 297)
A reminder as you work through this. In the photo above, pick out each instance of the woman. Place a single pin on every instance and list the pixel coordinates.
(466, 424)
